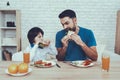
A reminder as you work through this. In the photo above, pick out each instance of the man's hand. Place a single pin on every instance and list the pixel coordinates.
(65, 40)
(77, 39)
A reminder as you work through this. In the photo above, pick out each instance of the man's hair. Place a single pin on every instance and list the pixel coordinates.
(33, 32)
(67, 13)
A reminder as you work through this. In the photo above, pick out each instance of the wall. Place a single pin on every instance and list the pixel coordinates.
(97, 15)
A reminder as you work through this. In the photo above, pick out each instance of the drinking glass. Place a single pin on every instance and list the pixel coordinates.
(26, 57)
(105, 62)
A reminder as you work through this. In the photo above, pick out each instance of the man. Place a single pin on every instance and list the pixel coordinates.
(74, 42)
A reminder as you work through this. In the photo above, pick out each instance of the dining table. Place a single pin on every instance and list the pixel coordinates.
(64, 71)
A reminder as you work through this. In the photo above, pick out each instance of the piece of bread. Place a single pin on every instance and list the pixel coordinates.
(70, 32)
(44, 43)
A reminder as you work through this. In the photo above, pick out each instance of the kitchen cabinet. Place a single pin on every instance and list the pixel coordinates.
(10, 31)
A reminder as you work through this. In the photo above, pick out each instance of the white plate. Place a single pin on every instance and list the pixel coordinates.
(42, 66)
(18, 74)
(79, 64)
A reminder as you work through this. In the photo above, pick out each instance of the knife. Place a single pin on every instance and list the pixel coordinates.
(58, 65)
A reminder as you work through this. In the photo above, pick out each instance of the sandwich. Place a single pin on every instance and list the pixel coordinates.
(43, 44)
(70, 32)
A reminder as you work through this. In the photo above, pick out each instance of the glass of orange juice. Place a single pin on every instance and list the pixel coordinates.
(26, 57)
(105, 62)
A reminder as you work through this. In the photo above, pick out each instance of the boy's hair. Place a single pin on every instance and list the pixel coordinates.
(67, 13)
(33, 32)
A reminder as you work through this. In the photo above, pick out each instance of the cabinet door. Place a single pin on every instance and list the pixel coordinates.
(117, 40)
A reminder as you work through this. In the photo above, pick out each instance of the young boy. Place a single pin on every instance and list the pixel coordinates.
(38, 48)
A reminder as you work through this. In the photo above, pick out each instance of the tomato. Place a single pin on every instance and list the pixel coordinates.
(48, 64)
(87, 62)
